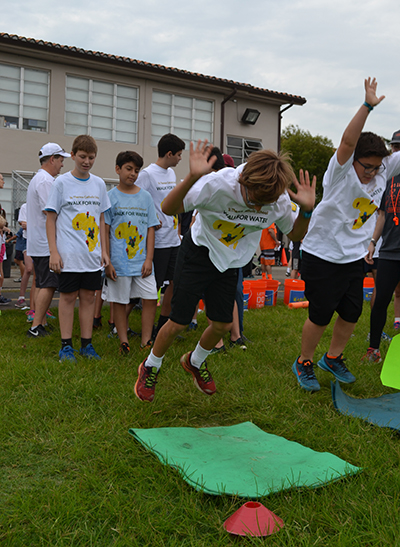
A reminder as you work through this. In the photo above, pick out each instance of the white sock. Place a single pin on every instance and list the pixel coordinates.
(199, 355)
(153, 361)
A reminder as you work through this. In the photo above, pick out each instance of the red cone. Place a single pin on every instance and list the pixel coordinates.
(253, 519)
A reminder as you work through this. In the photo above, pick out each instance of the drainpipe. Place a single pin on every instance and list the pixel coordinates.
(228, 98)
(280, 124)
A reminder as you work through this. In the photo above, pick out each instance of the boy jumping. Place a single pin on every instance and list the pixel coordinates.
(76, 235)
(233, 206)
(130, 237)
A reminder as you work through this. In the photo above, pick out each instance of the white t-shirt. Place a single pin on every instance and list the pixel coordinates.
(159, 182)
(78, 204)
(36, 198)
(341, 226)
(22, 217)
(226, 225)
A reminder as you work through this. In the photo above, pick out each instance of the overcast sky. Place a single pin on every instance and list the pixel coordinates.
(314, 48)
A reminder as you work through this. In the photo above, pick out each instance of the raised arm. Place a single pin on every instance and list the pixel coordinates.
(200, 164)
(353, 130)
(305, 197)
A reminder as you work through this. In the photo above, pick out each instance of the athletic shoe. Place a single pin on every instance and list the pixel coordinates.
(49, 315)
(30, 315)
(192, 326)
(124, 349)
(89, 352)
(146, 346)
(146, 383)
(396, 326)
(20, 303)
(4, 300)
(113, 330)
(201, 376)
(305, 375)
(97, 324)
(37, 332)
(238, 343)
(131, 333)
(18, 280)
(67, 354)
(373, 355)
(222, 349)
(337, 367)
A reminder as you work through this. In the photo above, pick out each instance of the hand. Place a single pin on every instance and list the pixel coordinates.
(105, 259)
(369, 258)
(305, 192)
(370, 92)
(55, 262)
(199, 161)
(110, 272)
(147, 267)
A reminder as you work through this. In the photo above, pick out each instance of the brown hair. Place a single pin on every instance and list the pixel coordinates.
(86, 143)
(267, 175)
(3, 222)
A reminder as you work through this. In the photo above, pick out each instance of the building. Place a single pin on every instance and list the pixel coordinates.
(51, 92)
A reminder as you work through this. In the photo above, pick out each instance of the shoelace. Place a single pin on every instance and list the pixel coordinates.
(151, 378)
(204, 373)
(308, 368)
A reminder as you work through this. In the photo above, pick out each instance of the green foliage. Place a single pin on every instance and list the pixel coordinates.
(307, 152)
(71, 475)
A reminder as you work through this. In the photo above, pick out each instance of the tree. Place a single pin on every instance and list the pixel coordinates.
(307, 152)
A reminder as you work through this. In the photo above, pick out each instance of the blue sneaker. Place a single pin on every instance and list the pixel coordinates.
(192, 326)
(89, 352)
(67, 354)
(304, 373)
(338, 368)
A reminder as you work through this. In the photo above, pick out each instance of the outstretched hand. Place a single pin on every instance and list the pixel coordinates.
(305, 192)
(200, 162)
(370, 92)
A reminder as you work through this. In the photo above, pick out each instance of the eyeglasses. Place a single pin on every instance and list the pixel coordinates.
(250, 202)
(371, 170)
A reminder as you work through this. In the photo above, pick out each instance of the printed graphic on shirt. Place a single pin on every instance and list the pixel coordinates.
(367, 208)
(132, 237)
(231, 233)
(83, 221)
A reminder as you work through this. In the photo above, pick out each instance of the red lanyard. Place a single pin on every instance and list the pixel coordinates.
(394, 205)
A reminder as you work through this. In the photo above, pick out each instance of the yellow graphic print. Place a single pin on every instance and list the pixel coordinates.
(175, 222)
(367, 208)
(231, 233)
(132, 237)
(84, 222)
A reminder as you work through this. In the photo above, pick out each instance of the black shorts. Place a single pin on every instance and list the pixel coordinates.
(332, 287)
(196, 277)
(19, 255)
(45, 279)
(73, 281)
(369, 267)
(164, 264)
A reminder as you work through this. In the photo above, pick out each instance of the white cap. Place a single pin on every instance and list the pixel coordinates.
(51, 149)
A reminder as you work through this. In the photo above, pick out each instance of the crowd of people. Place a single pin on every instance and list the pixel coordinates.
(126, 244)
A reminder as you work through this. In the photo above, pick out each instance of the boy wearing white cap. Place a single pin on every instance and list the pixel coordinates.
(51, 157)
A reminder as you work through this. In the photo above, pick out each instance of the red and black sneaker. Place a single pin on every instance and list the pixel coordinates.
(146, 383)
(201, 376)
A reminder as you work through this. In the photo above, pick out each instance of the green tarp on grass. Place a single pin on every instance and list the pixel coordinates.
(241, 459)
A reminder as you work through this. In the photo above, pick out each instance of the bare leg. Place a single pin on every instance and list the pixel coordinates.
(43, 301)
(86, 311)
(235, 330)
(25, 278)
(341, 335)
(98, 304)
(149, 308)
(121, 321)
(312, 334)
(32, 302)
(66, 313)
(166, 335)
(166, 304)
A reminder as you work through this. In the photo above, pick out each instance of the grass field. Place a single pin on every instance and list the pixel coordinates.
(71, 475)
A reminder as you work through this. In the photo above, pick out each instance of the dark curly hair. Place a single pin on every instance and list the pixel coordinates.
(369, 145)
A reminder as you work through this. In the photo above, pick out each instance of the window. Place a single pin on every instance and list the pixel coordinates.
(240, 148)
(191, 119)
(104, 110)
(24, 98)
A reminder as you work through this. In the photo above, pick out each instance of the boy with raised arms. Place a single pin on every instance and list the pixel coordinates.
(233, 206)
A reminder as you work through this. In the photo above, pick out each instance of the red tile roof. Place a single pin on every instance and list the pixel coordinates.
(41, 45)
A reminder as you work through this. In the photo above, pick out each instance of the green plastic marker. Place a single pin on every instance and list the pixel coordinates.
(390, 374)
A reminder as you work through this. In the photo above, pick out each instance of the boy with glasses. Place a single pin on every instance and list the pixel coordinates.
(337, 241)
